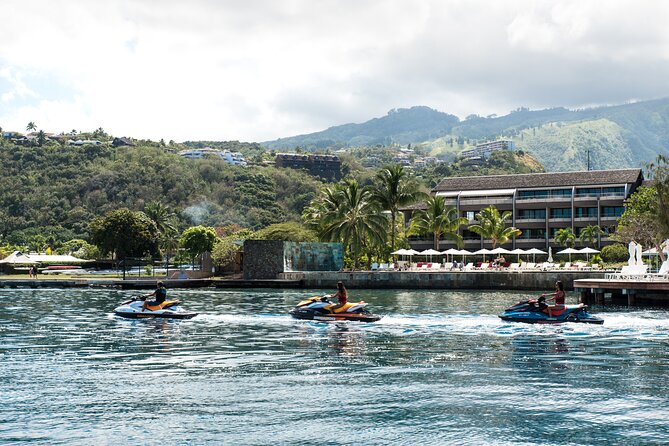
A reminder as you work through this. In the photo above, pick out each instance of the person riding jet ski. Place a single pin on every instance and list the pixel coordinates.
(558, 298)
(320, 308)
(160, 293)
(341, 295)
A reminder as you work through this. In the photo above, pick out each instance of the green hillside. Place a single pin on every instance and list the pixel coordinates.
(627, 135)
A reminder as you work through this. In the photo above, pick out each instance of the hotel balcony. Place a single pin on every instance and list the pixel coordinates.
(522, 221)
(544, 199)
(592, 219)
(609, 218)
(560, 220)
(485, 201)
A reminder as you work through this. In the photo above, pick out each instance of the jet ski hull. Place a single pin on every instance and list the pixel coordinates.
(306, 314)
(133, 310)
(318, 308)
(528, 312)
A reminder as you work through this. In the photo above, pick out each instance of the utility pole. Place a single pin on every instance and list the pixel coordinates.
(588, 159)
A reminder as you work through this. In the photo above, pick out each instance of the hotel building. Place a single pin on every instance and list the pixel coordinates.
(540, 204)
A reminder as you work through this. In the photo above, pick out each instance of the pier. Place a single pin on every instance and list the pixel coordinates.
(631, 291)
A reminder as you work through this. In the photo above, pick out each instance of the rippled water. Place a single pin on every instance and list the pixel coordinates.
(439, 368)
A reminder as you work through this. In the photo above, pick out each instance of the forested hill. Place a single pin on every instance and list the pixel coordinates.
(402, 126)
(627, 135)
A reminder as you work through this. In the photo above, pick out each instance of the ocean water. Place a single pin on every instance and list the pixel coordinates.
(439, 368)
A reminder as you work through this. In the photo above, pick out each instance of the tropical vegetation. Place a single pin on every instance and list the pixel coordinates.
(493, 226)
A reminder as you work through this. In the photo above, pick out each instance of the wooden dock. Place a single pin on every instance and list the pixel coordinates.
(631, 291)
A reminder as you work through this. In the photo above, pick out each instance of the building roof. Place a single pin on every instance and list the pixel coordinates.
(535, 180)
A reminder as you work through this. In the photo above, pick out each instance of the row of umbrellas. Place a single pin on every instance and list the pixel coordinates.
(496, 251)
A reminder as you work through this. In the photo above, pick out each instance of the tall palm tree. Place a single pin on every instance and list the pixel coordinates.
(396, 188)
(438, 220)
(590, 234)
(356, 221)
(41, 138)
(565, 237)
(161, 215)
(31, 127)
(492, 226)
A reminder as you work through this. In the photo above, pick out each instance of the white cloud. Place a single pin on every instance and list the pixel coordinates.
(257, 70)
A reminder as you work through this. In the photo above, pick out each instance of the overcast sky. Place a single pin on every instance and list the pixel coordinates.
(254, 70)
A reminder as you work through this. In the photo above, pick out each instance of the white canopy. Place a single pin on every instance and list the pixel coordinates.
(501, 250)
(588, 251)
(430, 252)
(18, 258)
(483, 251)
(518, 251)
(535, 251)
(400, 252)
(570, 251)
(451, 251)
(412, 252)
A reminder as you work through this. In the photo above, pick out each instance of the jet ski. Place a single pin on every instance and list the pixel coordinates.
(534, 312)
(169, 309)
(318, 308)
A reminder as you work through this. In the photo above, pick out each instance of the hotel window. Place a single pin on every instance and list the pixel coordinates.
(528, 194)
(613, 191)
(469, 215)
(588, 192)
(533, 234)
(561, 193)
(526, 214)
(561, 213)
(612, 211)
(586, 213)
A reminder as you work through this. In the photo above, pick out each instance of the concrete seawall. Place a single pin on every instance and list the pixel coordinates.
(534, 280)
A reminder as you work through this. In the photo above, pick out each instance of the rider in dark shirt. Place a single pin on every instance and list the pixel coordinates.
(160, 293)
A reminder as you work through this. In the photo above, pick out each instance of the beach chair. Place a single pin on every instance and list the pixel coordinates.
(383, 266)
(484, 266)
(514, 267)
(375, 266)
(663, 273)
(469, 267)
(628, 272)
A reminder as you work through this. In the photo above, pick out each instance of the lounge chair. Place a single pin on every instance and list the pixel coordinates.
(629, 273)
(528, 266)
(469, 266)
(514, 267)
(375, 266)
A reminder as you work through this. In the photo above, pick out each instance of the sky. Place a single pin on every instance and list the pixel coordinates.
(257, 70)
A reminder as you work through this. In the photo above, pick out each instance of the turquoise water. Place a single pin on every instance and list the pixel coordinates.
(439, 368)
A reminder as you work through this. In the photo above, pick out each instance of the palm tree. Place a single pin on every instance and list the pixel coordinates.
(590, 234)
(356, 220)
(565, 237)
(161, 215)
(31, 127)
(395, 189)
(492, 226)
(438, 220)
(41, 138)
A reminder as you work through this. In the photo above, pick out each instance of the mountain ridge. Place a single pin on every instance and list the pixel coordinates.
(631, 134)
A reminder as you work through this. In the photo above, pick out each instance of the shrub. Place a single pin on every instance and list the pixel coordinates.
(615, 253)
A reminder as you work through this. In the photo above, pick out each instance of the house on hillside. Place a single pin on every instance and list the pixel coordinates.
(118, 142)
(324, 166)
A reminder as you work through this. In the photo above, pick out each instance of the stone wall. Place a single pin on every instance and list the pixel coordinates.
(539, 280)
(263, 259)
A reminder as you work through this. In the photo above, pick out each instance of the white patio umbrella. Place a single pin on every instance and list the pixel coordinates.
(430, 253)
(464, 253)
(534, 252)
(518, 252)
(451, 252)
(639, 250)
(569, 251)
(501, 251)
(587, 252)
(483, 251)
(550, 255)
(411, 252)
(400, 252)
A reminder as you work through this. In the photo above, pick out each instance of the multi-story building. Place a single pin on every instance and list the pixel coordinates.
(229, 157)
(540, 204)
(324, 166)
(484, 150)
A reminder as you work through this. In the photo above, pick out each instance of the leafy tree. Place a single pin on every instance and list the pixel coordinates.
(162, 216)
(492, 226)
(124, 233)
(356, 220)
(590, 234)
(290, 231)
(615, 253)
(565, 237)
(394, 189)
(640, 221)
(659, 172)
(438, 220)
(197, 240)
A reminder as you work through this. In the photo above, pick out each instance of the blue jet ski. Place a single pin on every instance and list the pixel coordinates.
(535, 312)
